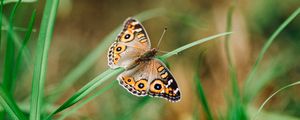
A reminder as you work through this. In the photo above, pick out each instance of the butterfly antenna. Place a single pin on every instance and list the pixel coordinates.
(165, 29)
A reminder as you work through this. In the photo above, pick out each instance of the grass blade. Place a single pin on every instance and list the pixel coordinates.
(1, 14)
(267, 100)
(10, 106)
(267, 45)
(40, 65)
(202, 98)
(97, 81)
(92, 58)
(11, 1)
(17, 41)
(9, 62)
(21, 50)
(176, 51)
(74, 109)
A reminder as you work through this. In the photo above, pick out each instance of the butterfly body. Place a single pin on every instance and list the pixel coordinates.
(144, 74)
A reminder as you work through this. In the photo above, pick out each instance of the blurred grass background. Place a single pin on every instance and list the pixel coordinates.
(84, 29)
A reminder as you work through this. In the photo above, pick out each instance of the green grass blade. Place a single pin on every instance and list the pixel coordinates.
(74, 109)
(267, 100)
(273, 69)
(9, 62)
(128, 115)
(40, 65)
(97, 81)
(109, 73)
(176, 51)
(267, 45)
(231, 67)
(1, 14)
(25, 1)
(202, 98)
(93, 57)
(17, 41)
(10, 106)
(21, 50)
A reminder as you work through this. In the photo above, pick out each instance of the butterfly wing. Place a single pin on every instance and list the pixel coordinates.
(131, 43)
(151, 78)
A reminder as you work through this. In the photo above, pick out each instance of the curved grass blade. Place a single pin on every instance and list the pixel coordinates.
(17, 41)
(128, 115)
(85, 90)
(267, 45)
(74, 109)
(9, 62)
(10, 106)
(20, 52)
(92, 58)
(40, 66)
(278, 66)
(176, 51)
(267, 100)
(202, 98)
(109, 73)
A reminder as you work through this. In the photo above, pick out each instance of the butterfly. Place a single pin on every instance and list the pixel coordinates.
(144, 74)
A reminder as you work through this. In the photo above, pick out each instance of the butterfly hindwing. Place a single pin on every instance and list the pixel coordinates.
(162, 82)
(131, 43)
(151, 78)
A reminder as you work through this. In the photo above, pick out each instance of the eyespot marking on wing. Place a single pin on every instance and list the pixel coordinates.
(127, 36)
(128, 80)
(141, 85)
(157, 86)
(119, 49)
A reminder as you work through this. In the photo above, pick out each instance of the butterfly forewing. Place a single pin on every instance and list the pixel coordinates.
(131, 43)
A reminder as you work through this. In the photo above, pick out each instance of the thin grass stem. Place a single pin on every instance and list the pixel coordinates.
(267, 45)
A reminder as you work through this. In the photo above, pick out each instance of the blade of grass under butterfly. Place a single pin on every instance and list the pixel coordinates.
(267, 45)
(267, 100)
(74, 109)
(85, 90)
(21, 50)
(97, 81)
(92, 58)
(40, 65)
(10, 106)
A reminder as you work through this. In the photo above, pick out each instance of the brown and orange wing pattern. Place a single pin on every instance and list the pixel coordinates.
(131, 43)
(151, 78)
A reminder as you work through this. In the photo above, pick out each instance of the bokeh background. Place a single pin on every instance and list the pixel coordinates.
(82, 25)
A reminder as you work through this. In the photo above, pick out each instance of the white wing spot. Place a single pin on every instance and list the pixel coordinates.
(169, 82)
(134, 23)
(175, 92)
(138, 30)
